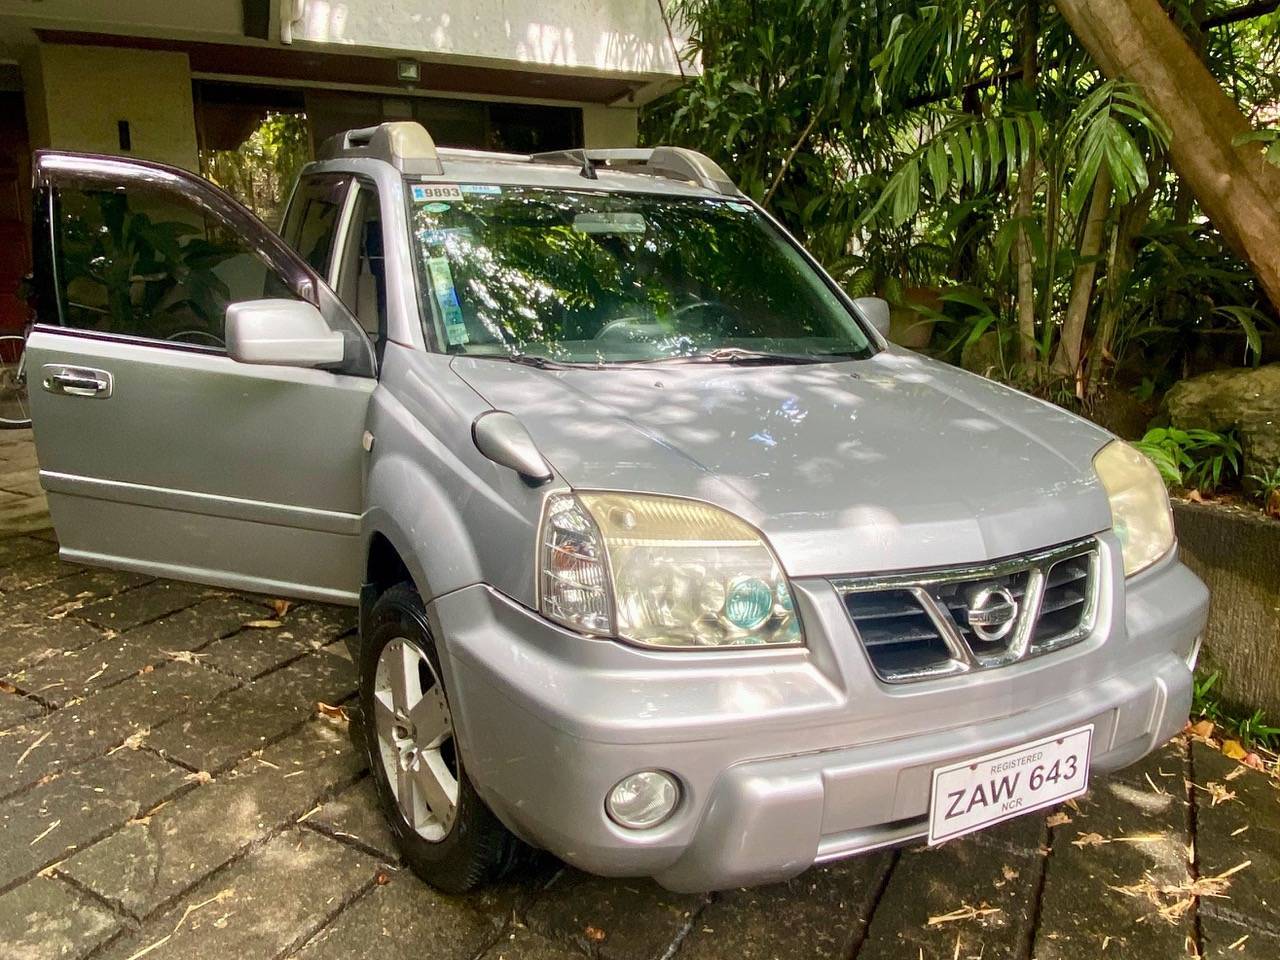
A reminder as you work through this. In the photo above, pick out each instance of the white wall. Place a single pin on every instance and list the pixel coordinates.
(597, 36)
(76, 97)
(161, 17)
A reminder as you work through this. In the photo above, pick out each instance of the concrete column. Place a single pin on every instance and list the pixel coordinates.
(77, 97)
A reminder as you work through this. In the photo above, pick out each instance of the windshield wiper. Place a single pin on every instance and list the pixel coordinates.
(740, 357)
(542, 363)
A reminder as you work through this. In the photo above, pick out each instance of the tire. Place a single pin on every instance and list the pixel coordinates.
(453, 853)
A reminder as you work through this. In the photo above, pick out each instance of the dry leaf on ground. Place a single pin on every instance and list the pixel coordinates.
(281, 607)
(263, 624)
(330, 712)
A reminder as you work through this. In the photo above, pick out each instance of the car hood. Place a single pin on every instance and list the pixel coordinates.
(889, 463)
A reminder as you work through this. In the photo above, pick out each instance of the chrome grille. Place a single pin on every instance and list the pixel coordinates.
(934, 623)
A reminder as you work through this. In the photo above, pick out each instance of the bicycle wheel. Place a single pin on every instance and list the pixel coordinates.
(15, 407)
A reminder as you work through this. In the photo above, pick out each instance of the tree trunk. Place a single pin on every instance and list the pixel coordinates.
(1236, 187)
(1071, 346)
(1026, 199)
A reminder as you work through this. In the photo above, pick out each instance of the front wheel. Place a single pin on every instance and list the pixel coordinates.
(444, 831)
(15, 408)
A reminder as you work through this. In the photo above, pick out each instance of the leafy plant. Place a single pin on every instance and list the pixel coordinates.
(1251, 728)
(1196, 459)
(1268, 484)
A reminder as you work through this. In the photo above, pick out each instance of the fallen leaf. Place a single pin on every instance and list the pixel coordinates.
(200, 776)
(1202, 729)
(7, 687)
(1233, 749)
(1008, 872)
(1273, 505)
(1088, 840)
(1195, 496)
(1253, 761)
(1057, 819)
(281, 607)
(381, 879)
(182, 656)
(330, 712)
(263, 624)
(595, 934)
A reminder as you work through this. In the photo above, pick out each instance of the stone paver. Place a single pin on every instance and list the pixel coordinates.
(1130, 832)
(252, 716)
(354, 816)
(1243, 828)
(151, 861)
(50, 821)
(619, 918)
(91, 727)
(45, 920)
(404, 919)
(168, 790)
(826, 910)
(272, 900)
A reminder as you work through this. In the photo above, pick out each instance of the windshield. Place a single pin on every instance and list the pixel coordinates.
(595, 277)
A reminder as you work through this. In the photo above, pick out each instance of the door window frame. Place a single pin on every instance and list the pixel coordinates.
(53, 169)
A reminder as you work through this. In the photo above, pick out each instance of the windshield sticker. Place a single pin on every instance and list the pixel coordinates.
(455, 327)
(435, 206)
(427, 192)
(444, 235)
(740, 207)
(490, 189)
(609, 223)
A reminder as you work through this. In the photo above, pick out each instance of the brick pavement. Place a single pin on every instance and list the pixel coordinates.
(168, 789)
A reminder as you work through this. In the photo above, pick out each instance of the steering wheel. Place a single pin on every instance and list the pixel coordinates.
(630, 329)
(714, 309)
(197, 335)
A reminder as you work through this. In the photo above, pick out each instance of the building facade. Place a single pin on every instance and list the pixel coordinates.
(169, 79)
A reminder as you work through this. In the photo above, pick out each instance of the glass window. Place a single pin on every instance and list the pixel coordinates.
(149, 263)
(312, 219)
(583, 277)
(362, 279)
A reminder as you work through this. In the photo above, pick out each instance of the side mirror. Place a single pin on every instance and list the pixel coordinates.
(876, 310)
(504, 440)
(288, 333)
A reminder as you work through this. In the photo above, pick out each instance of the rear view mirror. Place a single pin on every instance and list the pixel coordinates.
(289, 333)
(876, 310)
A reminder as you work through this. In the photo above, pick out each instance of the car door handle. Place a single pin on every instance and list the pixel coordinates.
(76, 381)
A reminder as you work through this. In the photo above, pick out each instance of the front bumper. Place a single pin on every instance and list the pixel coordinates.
(786, 758)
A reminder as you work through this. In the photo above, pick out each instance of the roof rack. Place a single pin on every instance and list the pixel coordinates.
(404, 144)
(676, 163)
(407, 146)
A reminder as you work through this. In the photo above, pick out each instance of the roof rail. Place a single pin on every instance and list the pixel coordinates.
(404, 144)
(674, 163)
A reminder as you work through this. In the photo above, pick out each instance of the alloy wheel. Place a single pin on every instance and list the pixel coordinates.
(415, 739)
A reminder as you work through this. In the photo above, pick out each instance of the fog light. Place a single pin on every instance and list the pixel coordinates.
(643, 799)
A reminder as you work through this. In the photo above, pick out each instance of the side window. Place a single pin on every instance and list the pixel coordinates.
(312, 220)
(361, 275)
(151, 263)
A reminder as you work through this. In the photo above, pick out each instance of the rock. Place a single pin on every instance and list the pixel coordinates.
(1247, 401)
(985, 356)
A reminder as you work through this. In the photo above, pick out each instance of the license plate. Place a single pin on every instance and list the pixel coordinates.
(977, 793)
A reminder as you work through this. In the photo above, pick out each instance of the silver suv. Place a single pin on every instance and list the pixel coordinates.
(667, 562)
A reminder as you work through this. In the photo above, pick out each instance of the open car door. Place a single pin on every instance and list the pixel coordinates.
(198, 393)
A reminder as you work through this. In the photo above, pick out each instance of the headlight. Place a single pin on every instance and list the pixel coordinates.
(1140, 514)
(662, 572)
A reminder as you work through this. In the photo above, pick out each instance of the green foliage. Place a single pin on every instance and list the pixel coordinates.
(261, 172)
(907, 148)
(1197, 459)
(1252, 728)
(1267, 484)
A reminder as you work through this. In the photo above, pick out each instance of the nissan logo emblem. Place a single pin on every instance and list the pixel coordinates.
(992, 612)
